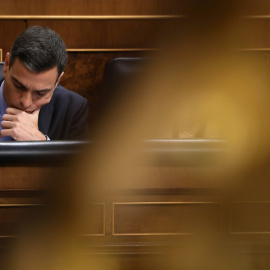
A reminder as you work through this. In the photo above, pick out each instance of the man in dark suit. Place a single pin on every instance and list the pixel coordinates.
(32, 104)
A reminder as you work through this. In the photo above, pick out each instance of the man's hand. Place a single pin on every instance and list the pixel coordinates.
(21, 126)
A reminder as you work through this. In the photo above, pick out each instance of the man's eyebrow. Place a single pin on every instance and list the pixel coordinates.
(41, 90)
(18, 82)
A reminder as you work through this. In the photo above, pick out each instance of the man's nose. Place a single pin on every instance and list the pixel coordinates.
(26, 99)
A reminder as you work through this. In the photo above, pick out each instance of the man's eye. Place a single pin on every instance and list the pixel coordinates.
(18, 86)
(40, 94)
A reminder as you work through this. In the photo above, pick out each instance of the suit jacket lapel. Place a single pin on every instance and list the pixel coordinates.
(44, 119)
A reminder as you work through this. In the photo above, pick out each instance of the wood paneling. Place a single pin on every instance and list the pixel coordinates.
(136, 227)
(260, 7)
(9, 30)
(166, 218)
(250, 217)
(254, 33)
(93, 7)
(13, 217)
(94, 221)
(17, 178)
(134, 33)
(115, 7)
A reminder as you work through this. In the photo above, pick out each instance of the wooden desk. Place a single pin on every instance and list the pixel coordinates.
(177, 201)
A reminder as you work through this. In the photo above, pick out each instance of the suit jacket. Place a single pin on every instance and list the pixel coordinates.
(65, 117)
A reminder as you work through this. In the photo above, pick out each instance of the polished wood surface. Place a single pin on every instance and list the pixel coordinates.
(94, 7)
(255, 36)
(131, 7)
(9, 30)
(113, 33)
(164, 218)
(16, 178)
(250, 217)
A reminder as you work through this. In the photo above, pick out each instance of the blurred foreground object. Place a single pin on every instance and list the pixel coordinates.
(170, 217)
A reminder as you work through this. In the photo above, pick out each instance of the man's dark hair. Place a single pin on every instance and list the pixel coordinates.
(39, 49)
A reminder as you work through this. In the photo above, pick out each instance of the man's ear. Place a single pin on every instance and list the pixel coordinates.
(6, 64)
(59, 78)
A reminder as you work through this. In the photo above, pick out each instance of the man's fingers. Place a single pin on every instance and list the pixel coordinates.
(21, 125)
(5, 132)
(7, 124)
(13, 111)
(9, 117)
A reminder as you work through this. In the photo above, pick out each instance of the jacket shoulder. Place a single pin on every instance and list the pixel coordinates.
(61, 93)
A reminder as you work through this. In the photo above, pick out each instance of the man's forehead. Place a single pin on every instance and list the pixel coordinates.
(19, 69)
